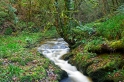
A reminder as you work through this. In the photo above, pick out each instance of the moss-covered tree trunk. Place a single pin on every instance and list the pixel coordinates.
(63, 20)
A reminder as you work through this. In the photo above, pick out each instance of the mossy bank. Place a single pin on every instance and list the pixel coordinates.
(101, 54)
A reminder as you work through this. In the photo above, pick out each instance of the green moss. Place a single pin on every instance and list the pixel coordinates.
(99, 66)
(119, 44)
(93, 45)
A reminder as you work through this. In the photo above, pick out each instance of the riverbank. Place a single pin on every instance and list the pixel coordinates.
(99, 50)
(20, 61)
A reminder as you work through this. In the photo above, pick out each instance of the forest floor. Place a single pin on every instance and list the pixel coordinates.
(20, 60)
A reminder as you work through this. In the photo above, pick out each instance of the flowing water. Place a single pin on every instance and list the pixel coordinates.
(54, 50)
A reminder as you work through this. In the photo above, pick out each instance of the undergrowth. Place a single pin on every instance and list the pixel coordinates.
(112, 28)
(20, 61)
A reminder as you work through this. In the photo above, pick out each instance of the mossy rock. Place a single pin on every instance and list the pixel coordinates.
(119, 44)
(98, 66)
(92, 47)
(105, 46)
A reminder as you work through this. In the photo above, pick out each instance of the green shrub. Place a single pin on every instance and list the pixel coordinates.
(3, 14)
(3, 17)
(111, 28)
(8, 31)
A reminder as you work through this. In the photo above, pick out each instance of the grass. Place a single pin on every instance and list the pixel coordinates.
(21, 63)
(11, 44)
(111, 28)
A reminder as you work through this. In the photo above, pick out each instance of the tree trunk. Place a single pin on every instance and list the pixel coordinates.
(117, 3)
(63, 20)
(29, 12)
(105, 7)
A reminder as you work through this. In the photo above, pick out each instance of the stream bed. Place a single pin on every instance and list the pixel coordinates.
(54, 50)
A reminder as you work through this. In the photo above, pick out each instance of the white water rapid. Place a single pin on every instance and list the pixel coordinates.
(54, 50)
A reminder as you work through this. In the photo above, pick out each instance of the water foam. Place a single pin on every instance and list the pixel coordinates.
(54, 50)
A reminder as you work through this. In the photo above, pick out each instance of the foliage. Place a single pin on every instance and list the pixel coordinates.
(26, 22)
(94, 44)
(81, 34)
(120, 9)
(10, 73)
(18, 63)
(12, 14)
(112, 28)
(8, 31)
(3, 15)
(35, 15)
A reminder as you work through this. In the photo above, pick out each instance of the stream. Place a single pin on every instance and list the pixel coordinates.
(54, 50)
